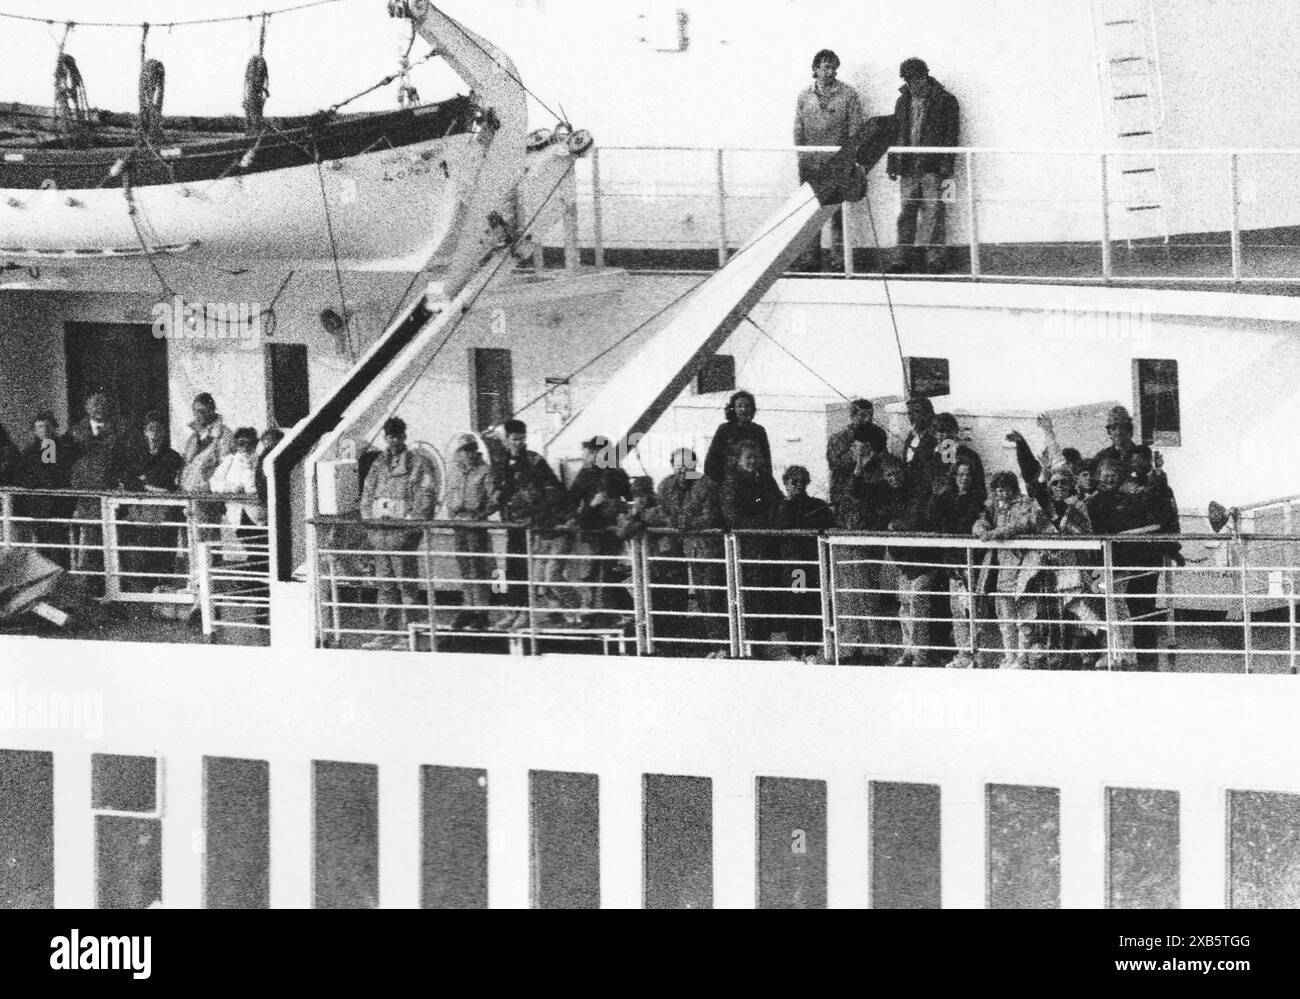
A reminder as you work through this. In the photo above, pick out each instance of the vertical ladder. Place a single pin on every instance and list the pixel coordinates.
(1133, 99)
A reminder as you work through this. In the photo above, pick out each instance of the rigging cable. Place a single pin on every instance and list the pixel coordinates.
(889, 299)
(338, 271)
(169, 24)
(794, 357)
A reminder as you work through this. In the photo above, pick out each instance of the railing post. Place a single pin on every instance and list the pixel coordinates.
(735, 613)
(1234, 196)
(431, 596)
(597, 210)
(108, 544)
(532, 590)
(722, 208)
(826, 578)
(641, 596)
(972, 223)
(970, 591)
(846, 241)
(1290, 614)
(6, 519)
(1245, 605)
(1106, 262)
(1108, 580)
(204, 568)
(336, 618)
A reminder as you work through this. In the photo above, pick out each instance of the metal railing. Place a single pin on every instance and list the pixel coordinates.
(1044, 602)
(165, 549)
(1220, 215)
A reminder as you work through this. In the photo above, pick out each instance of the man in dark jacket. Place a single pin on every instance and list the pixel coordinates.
(46, 463)
(925, 115)
(98, 466)
(597, 496)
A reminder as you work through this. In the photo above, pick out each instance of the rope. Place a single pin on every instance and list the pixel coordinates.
(170, 24)
(798, 360)
(889, 301)
(256, 84)
(334, 252)
(71, 106)
(153, 79)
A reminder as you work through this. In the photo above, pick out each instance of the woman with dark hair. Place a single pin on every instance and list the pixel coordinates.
(751, 500)
(1018, 598)
(739, 427)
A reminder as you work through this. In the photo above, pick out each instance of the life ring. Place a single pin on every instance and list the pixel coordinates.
(537, 139)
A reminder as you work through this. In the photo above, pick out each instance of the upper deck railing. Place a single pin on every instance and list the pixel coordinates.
(1208, 217)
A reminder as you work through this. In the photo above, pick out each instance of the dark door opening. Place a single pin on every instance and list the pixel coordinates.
(123, 360)
(492, 386)
(290, 396)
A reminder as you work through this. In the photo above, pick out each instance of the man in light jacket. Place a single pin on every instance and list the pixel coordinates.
(401, 485)
(470, 496)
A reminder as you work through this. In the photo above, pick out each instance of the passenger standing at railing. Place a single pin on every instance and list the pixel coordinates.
(155, 469)
(738, 428)
(955, 506)
(1122, 448)
(801, 570)
(596, 497)
(750, 500)
(1075, 597)
(400, 485)
(1115, 510)
(209, 442)
(470, 497)
(529, 492)
(46, 463)
(952, 452)
(237, 476)
(98, 465)
(827, 113)
(862, 506)
(925, 115)
(1018, 601)
(909, 510)
(919, 445)
(688, 502)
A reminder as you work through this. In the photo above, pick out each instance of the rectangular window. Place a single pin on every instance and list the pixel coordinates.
(717, 375)
(287, 383)
(237, 830)
(346, 835)
(454, 865)
(26, 830)
(1264, 850)
(927, 376)
(791, 843)
(678, 836)
(1024, 847)
(1155, 384)
(904, 846)
(1141, 849)
(492, 386)
(565, 829)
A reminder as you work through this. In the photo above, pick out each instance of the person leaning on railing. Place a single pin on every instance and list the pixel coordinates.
(400, 485)
(470, 496)
(1075, 594)
(750, 499)
(46, 463)
(596, 497)
(909, 510)
(955, 505)
(156, 468)
(98, 466)
(801, 568)
(1018, 598)
(209, 443)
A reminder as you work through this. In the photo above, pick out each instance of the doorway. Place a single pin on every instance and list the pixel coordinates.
(123, 360)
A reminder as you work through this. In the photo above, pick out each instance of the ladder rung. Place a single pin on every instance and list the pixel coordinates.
(1129, 59)
(1140, 170)
(1128, 21)
(1130, 135)
(1129, 97)
(1142, 208)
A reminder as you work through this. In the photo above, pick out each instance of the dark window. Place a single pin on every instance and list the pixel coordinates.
(346, 835)
(492, 386)
(26, 830)
(287, 384)
(1024, 847)
(123, 783)
(454, 867)
(1141, 849)
(717, 375)
(1264, 850)
(126, 362)
(128, 861)
(904, 846)
(927, 376)
(565, 811)
(1156, 385)
(237, 823)
(791, 843)
(678, 831)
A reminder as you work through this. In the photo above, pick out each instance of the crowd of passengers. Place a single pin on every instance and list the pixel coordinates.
(1047, 604)
(98, 454)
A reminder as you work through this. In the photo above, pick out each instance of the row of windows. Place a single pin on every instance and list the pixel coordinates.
(1022, 842)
